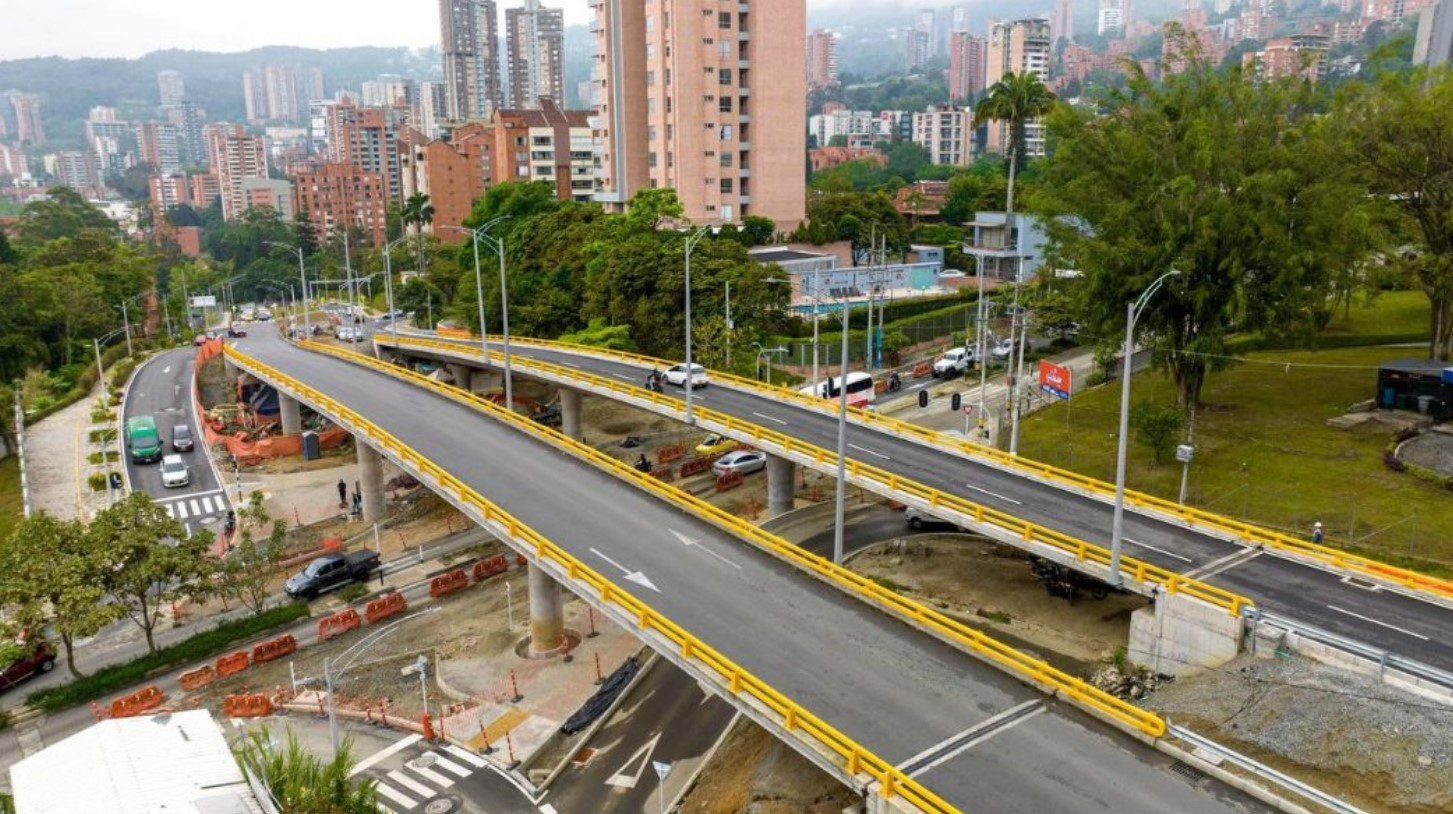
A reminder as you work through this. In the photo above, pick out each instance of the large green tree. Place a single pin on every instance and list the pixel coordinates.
(146, 560)
(1400, 129)
(418, 213)
(63, 213)
(50, 579)
(1233, 183)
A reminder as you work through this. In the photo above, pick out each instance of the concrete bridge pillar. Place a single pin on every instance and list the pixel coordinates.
(547, 612)
(370, 481)
(291, 413)
(570, 414)
(781, 485)
(461, 374)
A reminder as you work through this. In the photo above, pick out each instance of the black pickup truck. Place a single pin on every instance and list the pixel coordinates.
(331, 571)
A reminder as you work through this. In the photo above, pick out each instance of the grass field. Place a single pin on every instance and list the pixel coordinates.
(1265, 453)
(11, 504)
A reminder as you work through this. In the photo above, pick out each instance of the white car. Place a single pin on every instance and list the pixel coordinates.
(1003, 349)
(677, 376)
(174, 471)
(954, 362)
(743, 462)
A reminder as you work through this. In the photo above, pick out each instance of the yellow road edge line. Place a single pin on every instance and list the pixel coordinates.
(1034, 670)
(857, 759)
(1193, 518)
(1083, 551)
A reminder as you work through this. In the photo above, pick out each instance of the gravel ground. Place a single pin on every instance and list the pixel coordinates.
(1384, 749)
(1432, 450)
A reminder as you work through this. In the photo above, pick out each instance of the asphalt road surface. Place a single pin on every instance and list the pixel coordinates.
(902, 694)
(162, 389)
(1379, 617)
(668, 719)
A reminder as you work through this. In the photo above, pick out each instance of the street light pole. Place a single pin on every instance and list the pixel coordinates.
(1133, 310)
(350, 656)
(388, 287)
(842, 444)
(691, 241)
(126, 324)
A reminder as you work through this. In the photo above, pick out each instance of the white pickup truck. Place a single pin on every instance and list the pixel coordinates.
(954, 362)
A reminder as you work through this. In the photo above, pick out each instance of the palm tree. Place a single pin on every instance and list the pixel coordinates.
(301, 782)
(418, 212)
(1017, 99)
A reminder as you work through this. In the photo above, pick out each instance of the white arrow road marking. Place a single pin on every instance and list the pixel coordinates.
(634, 576)
(690, 543)
(623, 779)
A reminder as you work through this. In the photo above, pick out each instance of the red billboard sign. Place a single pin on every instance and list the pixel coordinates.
(1054, 379)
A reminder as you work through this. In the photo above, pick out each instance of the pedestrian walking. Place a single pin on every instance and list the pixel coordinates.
(358, 503)
(342, 494)
(1317, 532)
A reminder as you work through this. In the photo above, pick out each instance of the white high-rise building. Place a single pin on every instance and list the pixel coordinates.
(535, 42)
(471, 58)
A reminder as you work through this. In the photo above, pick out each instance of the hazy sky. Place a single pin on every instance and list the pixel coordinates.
(130, 28)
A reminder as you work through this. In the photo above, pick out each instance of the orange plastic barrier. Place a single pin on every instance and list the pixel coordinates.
(663, 473)
(233, 664)
(197, 679)
(137, 703)
(384, 607)
(485, 569)
(730, 480)
(275, 649)
(247, 706)
(338, 624)
(922, 369)
(449, 583)
(672, 453)
(696, 466)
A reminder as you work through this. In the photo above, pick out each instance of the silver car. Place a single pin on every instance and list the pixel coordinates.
(174, 471)
(743, 462)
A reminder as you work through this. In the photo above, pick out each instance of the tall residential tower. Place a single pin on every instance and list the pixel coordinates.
(1018, 47)
(535, 40)
(471, 58)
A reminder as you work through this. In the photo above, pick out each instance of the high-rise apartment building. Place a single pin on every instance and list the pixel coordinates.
(535, 40)
(187, 119)
(821, 59)
(156, 145)
(918, 48)
(1435, 35)
(431, 110)
(169, 190)
(1111, 18)
(1018, 47)
(110, 139)
(1062, 22)
(946, 133)
(471, 58)
(279, 92)
(28, 126)
(926, 23)
(336, 197)
(707, 100)
(967, 65)
(236, 156)
(958, 19)
(77, 169)
(12, 162)
(205, 190)
(388, 90)
(367, 137)
(171, 87)
(1302, 55)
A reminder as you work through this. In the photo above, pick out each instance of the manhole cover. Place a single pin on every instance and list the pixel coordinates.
(583, 756)
(423, 761)
(442, 805)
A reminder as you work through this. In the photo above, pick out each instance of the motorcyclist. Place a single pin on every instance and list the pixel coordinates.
(653, 380)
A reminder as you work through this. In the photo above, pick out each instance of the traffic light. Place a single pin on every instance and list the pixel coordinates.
(923, 398)
(957, 402)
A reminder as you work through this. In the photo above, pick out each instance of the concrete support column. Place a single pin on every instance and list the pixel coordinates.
(460, 373)
(370, 481)
(570, 414)
(547, 612)
(291, 413)
(781, 485)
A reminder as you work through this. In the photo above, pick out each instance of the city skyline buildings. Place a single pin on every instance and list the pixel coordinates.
(469, 51)
(535, 45)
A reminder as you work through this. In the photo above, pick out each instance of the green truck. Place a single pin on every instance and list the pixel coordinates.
(143, 442)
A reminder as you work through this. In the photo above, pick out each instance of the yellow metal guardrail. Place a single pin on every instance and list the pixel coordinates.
(1023, 666)
(1192, 517)
(797, 719)
(1130, 567)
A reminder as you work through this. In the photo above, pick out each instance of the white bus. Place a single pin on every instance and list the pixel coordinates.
(861, 390)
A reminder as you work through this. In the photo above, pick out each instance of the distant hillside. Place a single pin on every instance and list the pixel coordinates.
(70, 87)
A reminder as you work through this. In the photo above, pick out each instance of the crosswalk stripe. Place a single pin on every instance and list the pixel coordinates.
(384, 753)
(169, 511)
(398, 776)
(466, 756)
(195, 510)
(434, 777)
(449, 765)
(181, 510)
(397, 796)
(206, 505)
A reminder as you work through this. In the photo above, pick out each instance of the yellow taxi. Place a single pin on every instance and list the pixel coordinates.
(715, 445)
